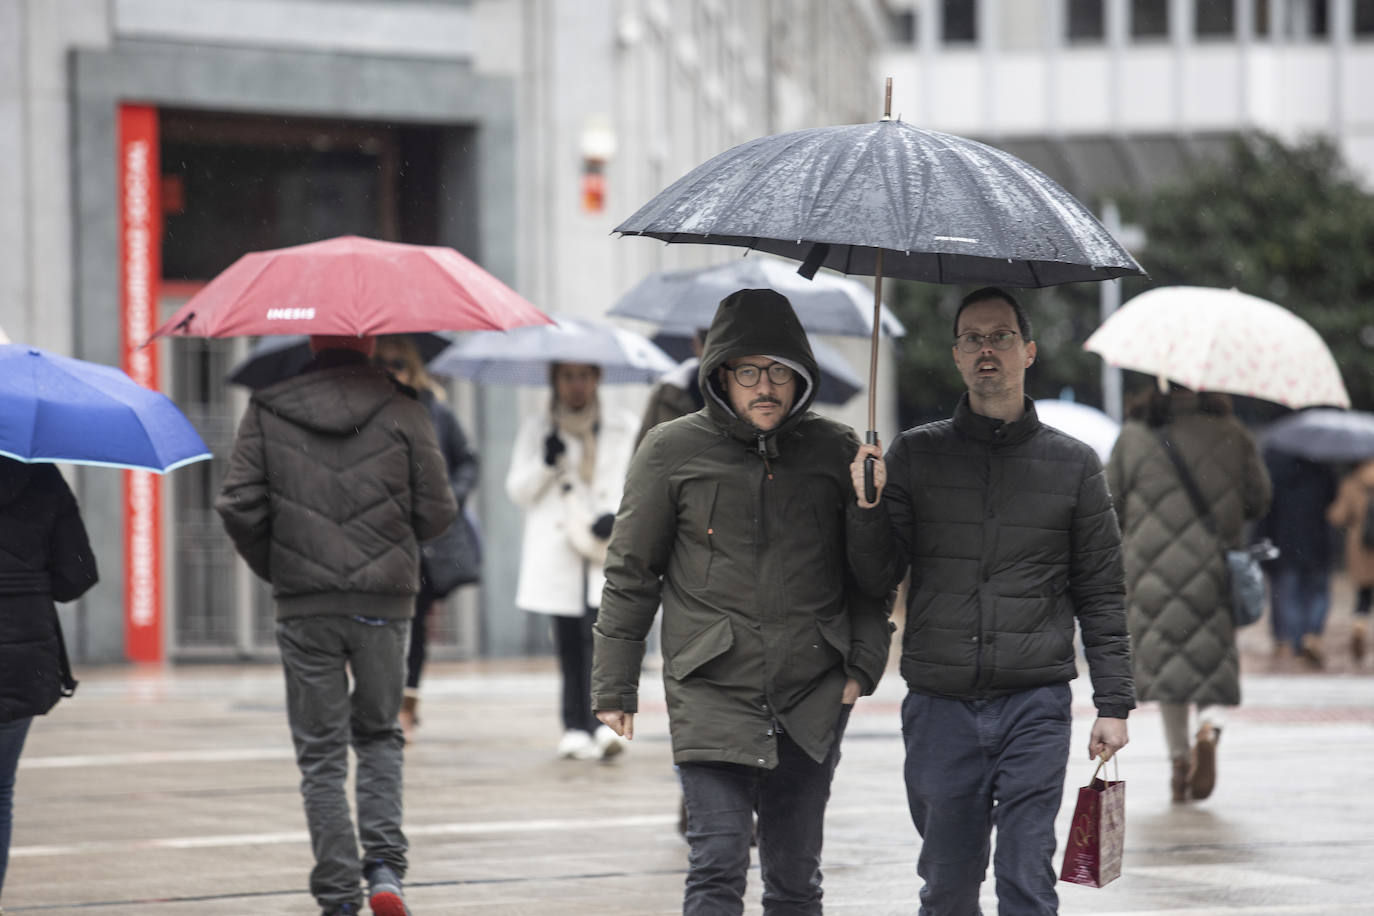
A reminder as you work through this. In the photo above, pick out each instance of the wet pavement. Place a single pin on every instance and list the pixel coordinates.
(174, 791)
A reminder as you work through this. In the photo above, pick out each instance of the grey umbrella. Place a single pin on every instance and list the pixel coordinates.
(1323, 434)
(522, 356)
(888, 199)
(682, 301)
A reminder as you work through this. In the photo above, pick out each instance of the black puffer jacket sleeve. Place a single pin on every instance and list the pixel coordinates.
(1097, 587)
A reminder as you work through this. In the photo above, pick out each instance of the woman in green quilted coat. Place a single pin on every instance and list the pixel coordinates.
(1183, 640)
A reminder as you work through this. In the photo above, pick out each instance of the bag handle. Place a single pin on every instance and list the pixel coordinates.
(1101, 765)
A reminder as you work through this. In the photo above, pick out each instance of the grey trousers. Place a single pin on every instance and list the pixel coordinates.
(318, 654)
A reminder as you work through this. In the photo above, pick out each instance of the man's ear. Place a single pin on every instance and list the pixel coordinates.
(1030, 353)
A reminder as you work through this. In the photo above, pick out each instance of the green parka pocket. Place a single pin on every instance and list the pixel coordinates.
(709, 644)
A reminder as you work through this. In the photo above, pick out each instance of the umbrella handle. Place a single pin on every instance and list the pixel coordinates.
(870, 488)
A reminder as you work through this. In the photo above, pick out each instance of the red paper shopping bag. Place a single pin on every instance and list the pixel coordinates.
(1097, 835)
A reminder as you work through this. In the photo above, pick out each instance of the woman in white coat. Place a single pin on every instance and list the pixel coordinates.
(567, 472)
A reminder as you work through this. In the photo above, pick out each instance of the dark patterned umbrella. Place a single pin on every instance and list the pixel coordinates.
(888, 199)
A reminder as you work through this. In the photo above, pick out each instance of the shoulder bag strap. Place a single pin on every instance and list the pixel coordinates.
(1203, 510)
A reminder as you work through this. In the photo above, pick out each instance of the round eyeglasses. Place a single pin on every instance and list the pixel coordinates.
(972, 342)
(747, 375)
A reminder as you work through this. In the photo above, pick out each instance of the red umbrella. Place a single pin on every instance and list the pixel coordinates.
(351, 286)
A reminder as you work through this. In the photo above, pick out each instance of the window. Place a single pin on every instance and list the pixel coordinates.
(1364, 18)
(960, 21)
(1311, 18)
(1149, 18)
(1086, 20)
(1216, 18)
(902, 26)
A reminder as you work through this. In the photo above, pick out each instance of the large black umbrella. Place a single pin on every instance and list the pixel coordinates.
(1324, 434)
(888, 199)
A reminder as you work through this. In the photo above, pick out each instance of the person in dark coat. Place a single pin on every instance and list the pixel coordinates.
(1300, 575)
(334, 480)
(1183, 635)
(1009, 533)
(453, 558)
(735, 517)
(45, 557)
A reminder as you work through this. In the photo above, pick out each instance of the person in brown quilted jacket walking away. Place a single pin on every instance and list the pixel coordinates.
(335, 478)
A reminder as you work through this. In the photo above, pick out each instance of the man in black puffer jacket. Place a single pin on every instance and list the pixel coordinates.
(1010, 536)
(335, 479)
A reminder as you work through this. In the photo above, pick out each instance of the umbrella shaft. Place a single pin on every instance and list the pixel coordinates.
(873, 352)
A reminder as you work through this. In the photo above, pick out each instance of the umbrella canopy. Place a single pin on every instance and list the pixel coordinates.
(887, 199)
(1082, 421)
(1323, 434)
(275, 358)
(941, 208)
(838, 382)
(350, 285)
(55, 408)
(522, 356)
(682, 301)
(1222, 340)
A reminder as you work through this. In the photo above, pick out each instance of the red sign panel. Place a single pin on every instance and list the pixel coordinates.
(140, 269)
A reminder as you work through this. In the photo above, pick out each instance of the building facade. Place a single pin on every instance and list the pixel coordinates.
(152, 142)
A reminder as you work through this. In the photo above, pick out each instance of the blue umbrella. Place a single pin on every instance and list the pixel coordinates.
(522, 356)
(58, 409)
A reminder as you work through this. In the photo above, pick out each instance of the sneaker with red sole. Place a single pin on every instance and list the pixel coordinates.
(384, 894)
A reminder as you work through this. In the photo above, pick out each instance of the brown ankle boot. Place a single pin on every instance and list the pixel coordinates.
(1359, 641)
(1311, 652)
(1202, 778)
(1178, 782)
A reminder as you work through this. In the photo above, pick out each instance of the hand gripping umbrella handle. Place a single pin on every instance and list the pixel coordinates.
(870, 488)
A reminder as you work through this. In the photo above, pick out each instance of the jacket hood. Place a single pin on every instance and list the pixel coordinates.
(14, 477)
(334, 401)
(753, 322)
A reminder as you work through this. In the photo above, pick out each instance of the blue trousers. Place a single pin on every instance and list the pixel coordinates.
(790, 801)
(972, 765)
(1301, 598)
(12, 736)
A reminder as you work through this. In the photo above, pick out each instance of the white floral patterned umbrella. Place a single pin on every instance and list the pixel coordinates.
(1222, 340)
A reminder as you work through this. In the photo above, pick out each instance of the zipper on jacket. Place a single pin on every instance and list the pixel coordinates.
(763, 453)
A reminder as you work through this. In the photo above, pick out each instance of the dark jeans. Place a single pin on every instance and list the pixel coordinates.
(318, 654)
(1300, 599)
(12, 736)
(972, 765)
(419, 638)
(573, 638)
(790, 800)
(1364, 598)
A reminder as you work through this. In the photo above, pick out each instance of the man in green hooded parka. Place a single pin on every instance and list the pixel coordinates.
(736, 518)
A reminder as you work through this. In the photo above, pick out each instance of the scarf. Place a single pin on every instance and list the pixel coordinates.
(583, 425)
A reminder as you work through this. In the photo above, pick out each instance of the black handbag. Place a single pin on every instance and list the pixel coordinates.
(1247, 579)
(452, 559)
